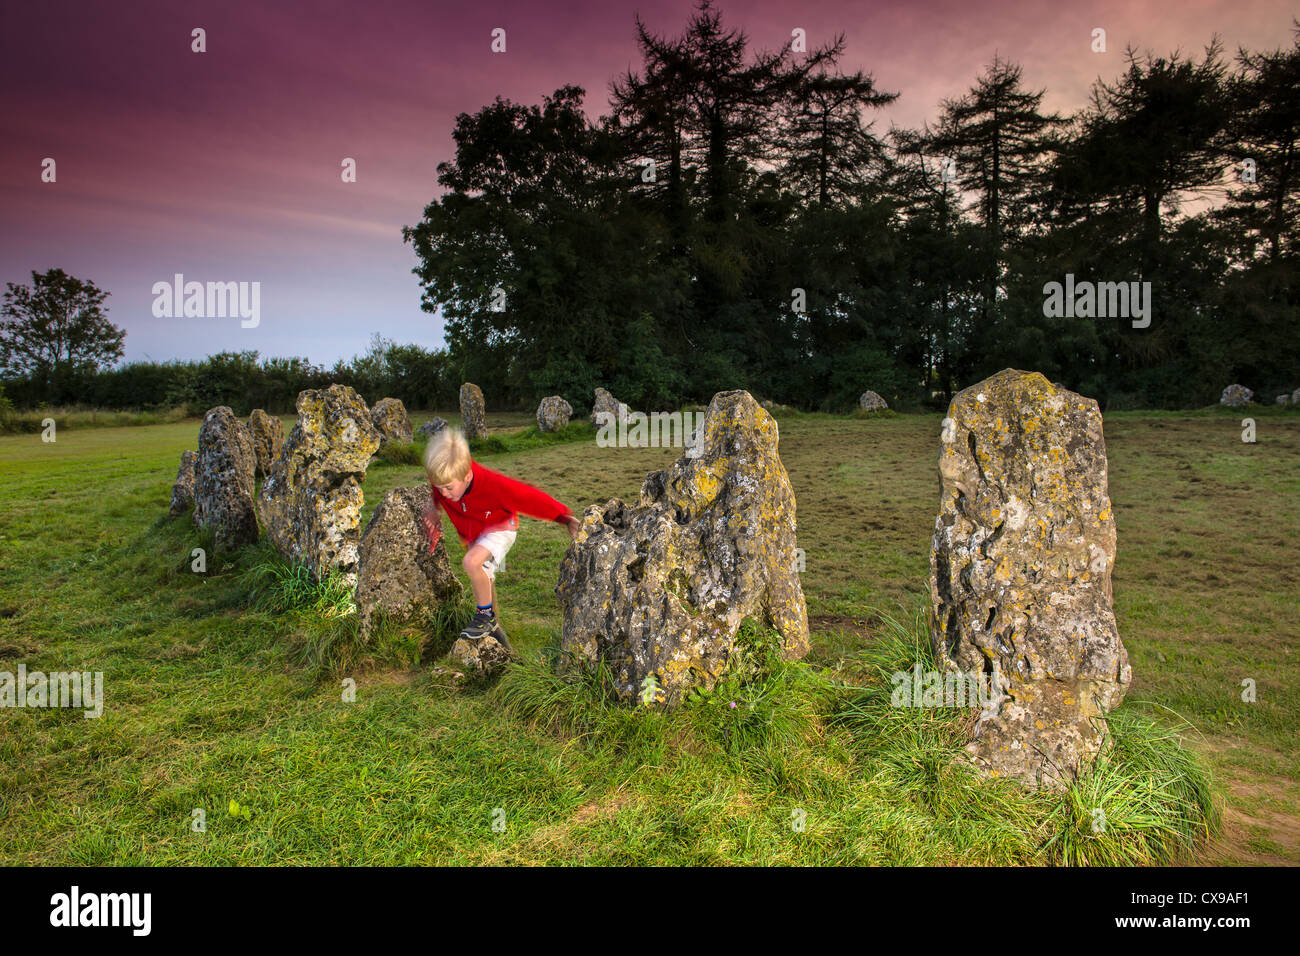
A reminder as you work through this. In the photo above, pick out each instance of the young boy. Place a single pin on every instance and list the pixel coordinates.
(484, 507)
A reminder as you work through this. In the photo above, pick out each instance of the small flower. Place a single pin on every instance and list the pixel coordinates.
(733, 705)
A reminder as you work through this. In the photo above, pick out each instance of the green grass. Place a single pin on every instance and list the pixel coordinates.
(230, 684)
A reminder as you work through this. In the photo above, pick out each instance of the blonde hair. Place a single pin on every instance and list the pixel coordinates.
(446, 457)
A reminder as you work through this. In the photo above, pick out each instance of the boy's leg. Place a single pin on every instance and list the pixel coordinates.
(499, 543)
(478, 577)
(500, 632)
(481, 561)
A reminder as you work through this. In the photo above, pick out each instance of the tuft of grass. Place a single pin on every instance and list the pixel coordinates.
(399, 453)
(539, 691)
(532, 437)
(279, 587)
(1145, 800)
(489, 445)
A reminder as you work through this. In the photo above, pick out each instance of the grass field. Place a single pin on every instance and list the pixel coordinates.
(209, 699)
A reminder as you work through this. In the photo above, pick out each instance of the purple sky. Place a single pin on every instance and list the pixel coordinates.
(225, 166)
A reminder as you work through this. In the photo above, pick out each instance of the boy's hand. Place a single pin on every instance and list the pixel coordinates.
(432, 528)
(574, 524)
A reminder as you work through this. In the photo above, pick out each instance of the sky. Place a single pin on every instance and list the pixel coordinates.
(225, 165)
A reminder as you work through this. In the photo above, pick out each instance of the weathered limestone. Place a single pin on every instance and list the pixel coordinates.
(660, 588)
(432, 427)
(1283, 399)
(473, 411)
(553, 413)
(223, 480)
(311, 502)
(484, 656)
(389, 417)
(605, 402)
(268, 439)
(1236, 396)
(1020, 573)
(183, 489)
(1295, 397)
(871, 401)
(397, 577)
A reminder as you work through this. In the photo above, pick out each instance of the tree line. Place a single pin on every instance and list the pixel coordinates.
(421, 378)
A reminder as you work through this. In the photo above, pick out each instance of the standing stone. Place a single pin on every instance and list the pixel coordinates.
(473, 411)
(397, 576)
(1284, 399)
(268, 438)
(1295, 397)
(662, 587)
(311, 502)
(389, 417)
(871, 401)
(1236, 396)
(183, 489)
(1020, 574)
(223, 480)
(432, 427)
(553, 414)
(605, 402)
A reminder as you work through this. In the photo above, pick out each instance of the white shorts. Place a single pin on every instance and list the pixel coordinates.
(497, 542)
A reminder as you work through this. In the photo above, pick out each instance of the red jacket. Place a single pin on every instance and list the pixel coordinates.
(493, 502)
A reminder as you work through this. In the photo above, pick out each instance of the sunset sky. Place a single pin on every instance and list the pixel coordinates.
(225, 165)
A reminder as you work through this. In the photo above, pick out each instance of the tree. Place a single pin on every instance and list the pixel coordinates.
(1148, 140)
(714, 116)
(830, 154)
(56, 327)
(1265, 140)
(997, 139)
(537, 258)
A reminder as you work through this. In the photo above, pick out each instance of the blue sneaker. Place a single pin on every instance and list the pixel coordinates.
(483, 624)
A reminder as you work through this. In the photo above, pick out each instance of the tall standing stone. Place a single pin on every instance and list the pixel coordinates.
(1020, 567)
(473, 411)
(389, 417)
(311, 502)
(553, 413)
(268, 438)
(183, 489)
(223, 480)
(397, 576)
(660, 588)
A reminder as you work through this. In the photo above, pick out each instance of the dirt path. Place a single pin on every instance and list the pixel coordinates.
(1261, 820)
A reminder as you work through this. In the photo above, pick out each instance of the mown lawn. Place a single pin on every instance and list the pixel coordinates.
(208, 699)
